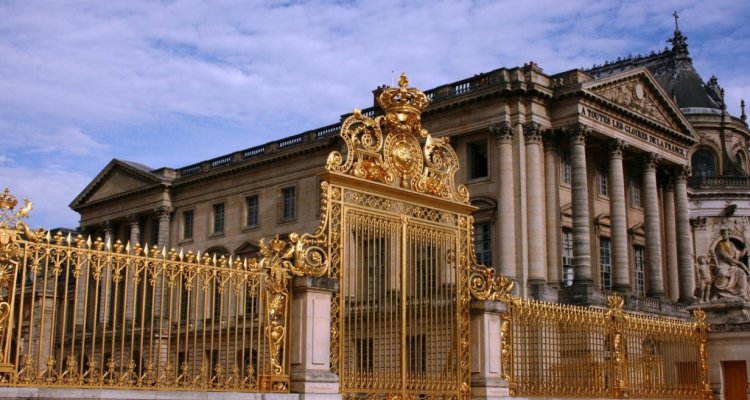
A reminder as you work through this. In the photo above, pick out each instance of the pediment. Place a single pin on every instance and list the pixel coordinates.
(117, 178)
(637, 91)
(247, 249)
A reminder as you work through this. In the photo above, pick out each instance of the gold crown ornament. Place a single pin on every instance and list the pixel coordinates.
(7, 200)
(403, 101)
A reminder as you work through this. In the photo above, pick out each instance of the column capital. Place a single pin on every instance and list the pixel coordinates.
(503, 131)
(577, 133)
(681, 173)
(699, 222)
(134, 218)
(533, 132)
(616, 147)
(163, 212)
(651, 161)
(106, 225)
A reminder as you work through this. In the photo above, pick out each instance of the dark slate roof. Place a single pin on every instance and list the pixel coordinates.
(674, 70)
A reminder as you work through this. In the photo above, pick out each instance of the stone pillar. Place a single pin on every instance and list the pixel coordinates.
(537, 280)
(618, 217)
(684, 244)
(552, 206)
(135, 229)
(310, 328)
(503, 133)
(164, 213)
(106, 285)
(108, 230)
(652, 224)
(670, 239)
(581, 233)
(582, 291)
(486, 362)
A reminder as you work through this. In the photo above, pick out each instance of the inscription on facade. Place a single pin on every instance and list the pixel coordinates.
(632, 131)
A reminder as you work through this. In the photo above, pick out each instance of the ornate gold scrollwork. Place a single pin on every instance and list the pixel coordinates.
(12, 229)
(386, 149)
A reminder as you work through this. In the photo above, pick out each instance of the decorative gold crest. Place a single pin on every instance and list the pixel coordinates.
(389, 148)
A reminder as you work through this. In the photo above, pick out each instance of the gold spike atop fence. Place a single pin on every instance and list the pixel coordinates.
(81, 313)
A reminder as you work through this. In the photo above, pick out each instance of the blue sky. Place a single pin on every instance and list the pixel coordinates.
(171, 83)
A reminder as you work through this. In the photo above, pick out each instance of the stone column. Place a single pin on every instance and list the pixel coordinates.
(670, 239)
(135, 229)
(503, 133)
(164, 213)
(310, 328)
(684, 245)
(618, 217)
(581, 233)
(552, 206)
(486, 362)
(107, 228)
(537, 281)
(106, 286)
(652, 224)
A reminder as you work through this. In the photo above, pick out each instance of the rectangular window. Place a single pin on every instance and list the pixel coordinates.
(288, 203)
(565, 170)
(567, 257)
(155, 231)
(478, 160)
(218, 218)
(417, 349)
(187, 225)
(605, 262)
(483, 243)
(635, 192)
(602, 174)
(425, 268)
(376, 253)
(252, 211)
(640, 279)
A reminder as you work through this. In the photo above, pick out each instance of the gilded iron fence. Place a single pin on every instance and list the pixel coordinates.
(562, 350)
(77, 313)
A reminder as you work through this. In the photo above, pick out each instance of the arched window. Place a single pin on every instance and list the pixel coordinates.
(741, 160)
(703, 163)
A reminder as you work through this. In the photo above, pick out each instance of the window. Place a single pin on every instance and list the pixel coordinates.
(605, 262)
(478, 160)
(375, 251)
(364, 354)
(567, 257)
(703, 163)
(187, 225)
(427, 268)
(218, 218)
(483, 243)
(417, 349)
(602, 172)
(640, 280)
(565, 170)
(288, 203)
(251, 202)
(635, 192)
(155, 231)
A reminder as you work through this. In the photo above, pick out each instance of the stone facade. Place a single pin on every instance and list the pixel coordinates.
(582, 180)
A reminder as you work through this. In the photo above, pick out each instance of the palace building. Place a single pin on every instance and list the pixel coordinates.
(627, 177)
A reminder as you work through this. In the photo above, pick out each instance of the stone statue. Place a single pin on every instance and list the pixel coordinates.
(705, 279)
(730, 280)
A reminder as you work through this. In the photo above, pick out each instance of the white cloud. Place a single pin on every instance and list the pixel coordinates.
(49, 189)
(172, 83)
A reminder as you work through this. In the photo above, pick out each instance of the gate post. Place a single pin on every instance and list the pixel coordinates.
(486, 363)
(310, 354)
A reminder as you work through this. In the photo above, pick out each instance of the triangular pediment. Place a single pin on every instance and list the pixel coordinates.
(117, 178)
(637, 92)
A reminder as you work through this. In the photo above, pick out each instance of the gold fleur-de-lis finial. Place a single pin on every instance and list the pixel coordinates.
(403, 81)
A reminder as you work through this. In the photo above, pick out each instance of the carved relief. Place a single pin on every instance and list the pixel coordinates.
(723, 274)
(633, 95)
